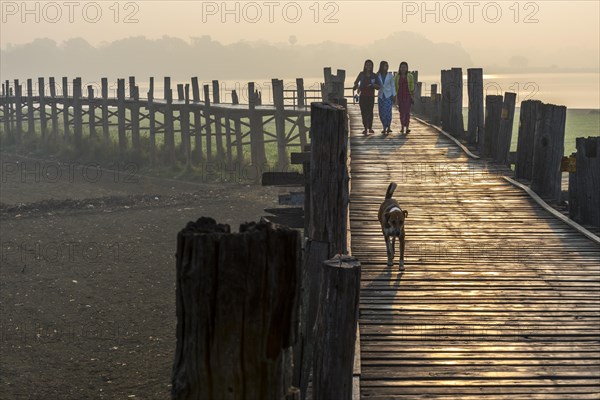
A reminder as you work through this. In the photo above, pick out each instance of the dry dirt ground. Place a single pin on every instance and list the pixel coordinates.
(87, 277)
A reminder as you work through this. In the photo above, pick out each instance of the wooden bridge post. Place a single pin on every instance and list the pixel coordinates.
(53, 109)
(228, 141)
(42, 109)
(548, 152)
(30, 110)
(238, 293)
(169, 128)
(11, 110)
(328, 200)
(207, 123)
(504, 137)
(184, 121)
(134, 112)
(528, 119)
(238, 132)
(445, 106)
(433, 116)
(584, 195)
(257, 137)
(333, 87)
(152, 121)
(216, 99)
(6, 108)
(475, 119)
(301, 103)
(121, 116)
(456, 115)
(198, 156)
(493, 112)
(105, 113)
(418, 106)
(77, 113)
(65, 108)
(282, 157)
(91, 111)
(18, 113)
(335, 328)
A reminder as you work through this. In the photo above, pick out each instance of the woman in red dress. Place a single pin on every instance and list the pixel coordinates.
(405, 88)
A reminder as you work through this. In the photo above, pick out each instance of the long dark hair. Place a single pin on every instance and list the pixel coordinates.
(381, 64)
(365, 65)
(400, 67)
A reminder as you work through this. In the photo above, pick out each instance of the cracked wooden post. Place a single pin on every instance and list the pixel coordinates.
(584, 181)
(528, 119)
(475, 114)
(335, 328)
(548, 152)
(505, 129)
(236, 301)
(326, 220)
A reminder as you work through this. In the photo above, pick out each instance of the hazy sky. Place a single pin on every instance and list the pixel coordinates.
(565, 33)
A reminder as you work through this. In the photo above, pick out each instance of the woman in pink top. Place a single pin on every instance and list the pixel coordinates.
(405, 88)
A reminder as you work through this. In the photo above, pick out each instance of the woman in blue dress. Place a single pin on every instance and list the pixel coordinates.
(387, 91)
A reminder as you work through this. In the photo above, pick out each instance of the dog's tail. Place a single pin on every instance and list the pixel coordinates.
(390, 190)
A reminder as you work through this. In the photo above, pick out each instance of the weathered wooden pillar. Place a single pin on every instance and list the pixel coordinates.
(456, 115)
(77, 113)
(257, 137)
(445, 80)
(105, 112)
(327, 218)
(493, 112)
(239, 147)
(282, 157)
(529, 117)
(65, 107)
(53, 109)
(548, 152)
(584, 192)
(198, 156)
(168, 124)
(329, 176)
(30, 109)
(301, 102)
(237, 311)
(91, 111)
(207, 123)
(216, 99)
(6, 108)
(504, 137)
(475, 125)
(335, 328)
(18, 113)
(333, 87)
(152, 121)
(433, 116)
(42, 109)
(134, 112)
(121, 116)
(228, 139)
(184, 121)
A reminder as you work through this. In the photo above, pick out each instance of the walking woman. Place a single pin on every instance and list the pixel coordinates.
(405, 88)
(387, 91)
(366, 82)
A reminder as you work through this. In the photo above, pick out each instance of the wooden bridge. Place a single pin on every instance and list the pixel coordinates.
(499, 299)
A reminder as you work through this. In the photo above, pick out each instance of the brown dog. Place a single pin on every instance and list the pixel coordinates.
(391, 217)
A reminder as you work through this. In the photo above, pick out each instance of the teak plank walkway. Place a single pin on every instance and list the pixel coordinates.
(499, 299)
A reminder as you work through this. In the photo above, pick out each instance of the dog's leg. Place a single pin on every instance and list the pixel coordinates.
(402, 252)
(393, 246)
(390, 258)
